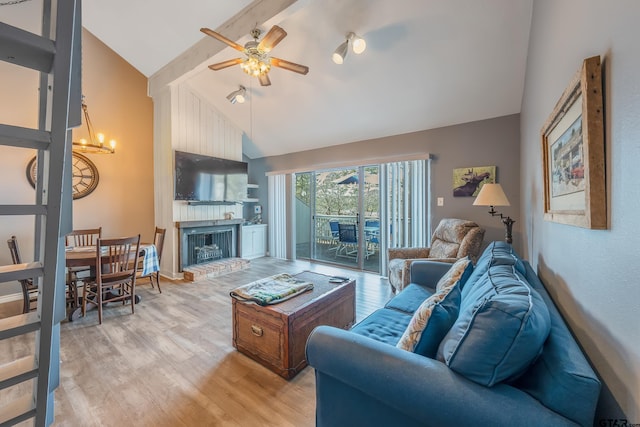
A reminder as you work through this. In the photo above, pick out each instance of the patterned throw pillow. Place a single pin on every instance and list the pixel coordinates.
(418, 323)
(431, 321)
(460, 269)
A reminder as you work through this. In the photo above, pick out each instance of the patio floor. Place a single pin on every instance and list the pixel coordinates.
(325, 254)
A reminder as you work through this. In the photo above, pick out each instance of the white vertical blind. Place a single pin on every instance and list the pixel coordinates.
(277, 216)
(419, 205)
(405, 207)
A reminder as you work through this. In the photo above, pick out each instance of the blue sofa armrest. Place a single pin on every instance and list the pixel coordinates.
(427, 273)
(360, 381)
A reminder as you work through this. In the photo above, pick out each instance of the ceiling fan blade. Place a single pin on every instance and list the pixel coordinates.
(264, 80)
(222, 38)
(291, 66)
(272, 38)
(225, 64)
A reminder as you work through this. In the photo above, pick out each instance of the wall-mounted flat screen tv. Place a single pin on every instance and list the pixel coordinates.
(209, 179)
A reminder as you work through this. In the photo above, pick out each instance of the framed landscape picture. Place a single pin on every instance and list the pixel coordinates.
(573, 153)
(467, 182)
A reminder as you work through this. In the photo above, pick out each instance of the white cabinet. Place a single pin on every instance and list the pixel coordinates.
(254, 241)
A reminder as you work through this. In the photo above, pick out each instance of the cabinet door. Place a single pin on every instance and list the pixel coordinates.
(260, 241)
(254, 241)
(247, 242)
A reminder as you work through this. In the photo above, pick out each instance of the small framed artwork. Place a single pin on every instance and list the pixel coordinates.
(467, 182)
(573, 153)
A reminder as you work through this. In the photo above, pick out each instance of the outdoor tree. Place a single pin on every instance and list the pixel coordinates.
(336, 192)
(303, 190)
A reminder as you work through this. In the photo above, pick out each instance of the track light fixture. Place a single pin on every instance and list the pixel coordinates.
(358, 45)
(237, 95)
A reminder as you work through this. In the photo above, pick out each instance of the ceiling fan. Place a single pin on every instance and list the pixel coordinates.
(257, 62)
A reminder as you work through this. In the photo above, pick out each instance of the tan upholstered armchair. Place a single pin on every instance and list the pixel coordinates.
(452, 239)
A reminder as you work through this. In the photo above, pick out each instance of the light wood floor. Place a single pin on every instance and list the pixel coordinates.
(172, 362)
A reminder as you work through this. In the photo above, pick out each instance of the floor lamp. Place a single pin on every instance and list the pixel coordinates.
(492, 195)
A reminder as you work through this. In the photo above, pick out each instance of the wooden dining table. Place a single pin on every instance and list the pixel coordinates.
(85, 256)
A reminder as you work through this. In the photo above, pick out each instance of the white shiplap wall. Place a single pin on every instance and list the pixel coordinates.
(200, 128)
(185, 122)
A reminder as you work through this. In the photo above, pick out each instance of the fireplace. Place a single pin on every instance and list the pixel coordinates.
(207, 241)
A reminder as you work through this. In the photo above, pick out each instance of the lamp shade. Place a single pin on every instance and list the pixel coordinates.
(491, 195)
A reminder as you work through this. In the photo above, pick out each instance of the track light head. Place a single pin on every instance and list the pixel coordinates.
(358, 44)
(341, 52)
(237, 96)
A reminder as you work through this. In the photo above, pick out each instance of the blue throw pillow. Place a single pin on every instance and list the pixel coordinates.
(502, 325)
(431, 322)
(442, 318)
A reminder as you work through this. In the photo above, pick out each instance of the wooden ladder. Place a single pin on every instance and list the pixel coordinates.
(56, 56)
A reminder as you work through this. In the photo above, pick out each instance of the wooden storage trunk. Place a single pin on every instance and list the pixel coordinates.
(276, 335)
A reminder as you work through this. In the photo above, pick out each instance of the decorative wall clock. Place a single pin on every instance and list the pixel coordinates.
(84, 172)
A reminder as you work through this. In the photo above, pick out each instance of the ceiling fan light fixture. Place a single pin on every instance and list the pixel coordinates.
(257, 62)
(341, 52)
(255, 67)
(358, 44)
(237, 96)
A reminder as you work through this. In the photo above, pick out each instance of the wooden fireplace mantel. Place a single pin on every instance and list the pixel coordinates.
(209, 223)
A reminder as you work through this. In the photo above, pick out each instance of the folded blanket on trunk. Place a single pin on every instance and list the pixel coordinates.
(272, 290)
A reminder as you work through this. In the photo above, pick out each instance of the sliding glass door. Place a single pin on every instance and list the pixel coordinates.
(337, 217)
(350, 216)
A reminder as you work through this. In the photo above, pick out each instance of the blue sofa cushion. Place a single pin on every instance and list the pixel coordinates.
(431, 322)
(500, 330)
(561, 378)
(384, 325)
(410, 298)
(497, 253)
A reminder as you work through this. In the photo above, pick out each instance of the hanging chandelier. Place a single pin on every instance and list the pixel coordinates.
(95, 144)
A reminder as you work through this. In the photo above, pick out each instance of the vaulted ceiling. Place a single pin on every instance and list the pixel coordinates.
(428, 63)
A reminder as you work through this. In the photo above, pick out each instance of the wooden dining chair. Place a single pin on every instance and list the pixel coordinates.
(158, 242)
(116, 261)
(86, 237)
(29, 289)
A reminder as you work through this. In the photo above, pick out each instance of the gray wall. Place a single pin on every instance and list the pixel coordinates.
(482, 143)
(592, 274)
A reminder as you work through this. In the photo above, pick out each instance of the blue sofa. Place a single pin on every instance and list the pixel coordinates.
(508, 359)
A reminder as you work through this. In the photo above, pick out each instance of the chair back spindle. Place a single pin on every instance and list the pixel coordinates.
(87, 237)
